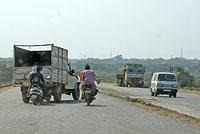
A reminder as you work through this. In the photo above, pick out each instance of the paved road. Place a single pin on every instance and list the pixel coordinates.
(108, 115)
(183, 99)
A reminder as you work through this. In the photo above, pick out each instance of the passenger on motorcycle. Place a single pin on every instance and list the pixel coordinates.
(41, 82)
(87, 77)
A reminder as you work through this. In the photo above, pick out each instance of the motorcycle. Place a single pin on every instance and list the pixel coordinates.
(36, 94)
(89, 93)
(88, 96)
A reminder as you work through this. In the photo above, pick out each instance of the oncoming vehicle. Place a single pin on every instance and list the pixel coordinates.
(131, 75)
(164, 83)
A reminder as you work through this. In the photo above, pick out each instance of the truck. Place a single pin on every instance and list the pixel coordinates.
(56, 68)
(131, 75)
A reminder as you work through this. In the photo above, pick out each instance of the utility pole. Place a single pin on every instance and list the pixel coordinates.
(84, 58)
(181, 53)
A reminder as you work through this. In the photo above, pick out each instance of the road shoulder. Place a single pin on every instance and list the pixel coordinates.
(185, 113)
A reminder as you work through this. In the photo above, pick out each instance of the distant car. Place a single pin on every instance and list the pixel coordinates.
(164, 83)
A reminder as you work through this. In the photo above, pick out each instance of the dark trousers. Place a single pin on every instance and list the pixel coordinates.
(44, 90)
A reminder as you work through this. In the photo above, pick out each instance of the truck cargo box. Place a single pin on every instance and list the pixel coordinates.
(53, 59)
(120, 73)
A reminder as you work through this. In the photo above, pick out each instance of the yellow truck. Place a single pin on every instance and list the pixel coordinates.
(131, 75)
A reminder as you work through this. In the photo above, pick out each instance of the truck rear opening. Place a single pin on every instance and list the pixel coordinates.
(29, 55)
(53, 59)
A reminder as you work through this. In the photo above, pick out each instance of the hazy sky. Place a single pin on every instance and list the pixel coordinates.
(104, 28)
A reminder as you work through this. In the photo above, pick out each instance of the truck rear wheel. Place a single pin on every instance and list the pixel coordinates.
(141, 84)
(119, 82)
(25, 99)
(156, 94)
(76, 93)
(132, 83)
(152, 93)
(126, 84)
(57, 94)
(174, 95)
(24, 91)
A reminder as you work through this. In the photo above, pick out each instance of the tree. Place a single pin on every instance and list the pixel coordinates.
(184, 78)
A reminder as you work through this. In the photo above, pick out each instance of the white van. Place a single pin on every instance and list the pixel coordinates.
(164, 83)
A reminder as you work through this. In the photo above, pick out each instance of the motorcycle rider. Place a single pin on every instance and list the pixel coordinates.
(41, 82)
(34, 70)
(87, 77)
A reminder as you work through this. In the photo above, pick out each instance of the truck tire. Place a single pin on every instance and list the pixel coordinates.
(156, 94)
(118, 83)
(141, 84)
(123, 83)
(25, 99)
(76, 93)
(132, 83)
(57, 94)
(174, 95)
(126, 84)
(24, 91)
(152, 93)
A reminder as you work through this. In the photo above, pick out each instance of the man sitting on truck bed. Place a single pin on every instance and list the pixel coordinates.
(42, 80)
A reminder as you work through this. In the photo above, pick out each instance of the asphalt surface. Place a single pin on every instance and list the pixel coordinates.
(188, 100)
(107, 115)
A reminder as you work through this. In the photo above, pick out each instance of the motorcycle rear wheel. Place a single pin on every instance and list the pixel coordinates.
(35, 102)
(38, 100)
(88, 103)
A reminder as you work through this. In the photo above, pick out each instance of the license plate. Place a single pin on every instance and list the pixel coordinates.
(34, 96)
(87, 91)
(167, 90)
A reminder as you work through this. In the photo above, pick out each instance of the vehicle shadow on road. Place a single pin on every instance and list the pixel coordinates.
(70, 102)
(44, 104)
(93, 105)
(48, 104)
(169, 97)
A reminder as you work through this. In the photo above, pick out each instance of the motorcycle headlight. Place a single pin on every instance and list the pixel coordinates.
(48, 77)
